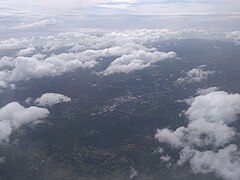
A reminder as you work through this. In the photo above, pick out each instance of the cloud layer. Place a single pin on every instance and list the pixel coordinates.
(206, 141)
(132, 51)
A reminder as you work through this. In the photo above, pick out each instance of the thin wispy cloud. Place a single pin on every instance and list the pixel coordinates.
(138, 7)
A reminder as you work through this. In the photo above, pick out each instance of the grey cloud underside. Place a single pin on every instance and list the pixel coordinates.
(206, 142)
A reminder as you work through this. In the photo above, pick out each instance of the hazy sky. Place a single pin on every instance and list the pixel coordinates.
(133, 7)
(211, 14)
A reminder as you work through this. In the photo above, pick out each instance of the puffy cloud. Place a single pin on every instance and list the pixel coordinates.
(132, 51)
(25, 68)
(171, 137)
(165, 158)
(204, 141)
(195, 75)
(136, 60)
(95, 39)
(14, 43)
(27, 51)
(14, 115)
(225, 163)
(50, 99)
(212, 106)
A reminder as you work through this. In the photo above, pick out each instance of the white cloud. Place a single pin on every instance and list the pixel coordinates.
(14, 115)
(139, 7)
(14, 43)
(210, 117)
(136, 60)
(40, 24)
(25, 68)
(50, 99)
(28, 100)
(195, 75)
(171, 137)
(29, 50)
(165, 158)
(225, 163)
(131, 49)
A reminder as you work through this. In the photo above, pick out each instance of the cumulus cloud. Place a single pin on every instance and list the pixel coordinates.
(132, 51)
(14, 115)
(195, 75)
(136, 60)
(206, 141)
(225, 163)
(50, 99)
(29, 50)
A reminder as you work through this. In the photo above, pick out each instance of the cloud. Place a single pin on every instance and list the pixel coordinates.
(95, 39)
(131, 49)
(195, 75)
(206, 141)
(235, 36)
(50, 99)
(14, 43)
(136, 60)
(29, 50)
(139, 7)
(25, 68)
(14, 115)
(225, 163)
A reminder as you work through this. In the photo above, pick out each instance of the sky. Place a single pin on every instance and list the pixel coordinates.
(123, 7)
(115, 14)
